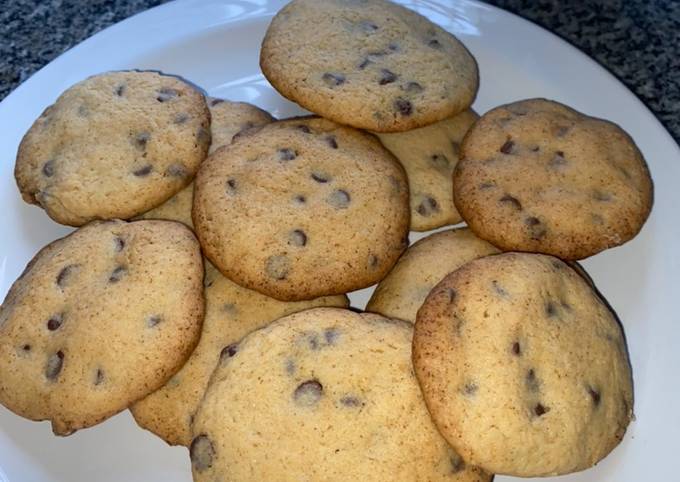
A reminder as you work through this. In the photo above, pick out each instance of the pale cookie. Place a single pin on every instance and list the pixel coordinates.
(228, 119)
(301, 209)
(538, 176)
(231, 313)
(421, 267)
(523, 367)
(113, 146)
(429, 155)
(98, 320)
(369, 64)
(324, 394)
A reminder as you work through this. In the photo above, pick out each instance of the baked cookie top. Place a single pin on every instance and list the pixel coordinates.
(113, 146)
(370, 64)
(536, 175)
(301, 209)
(231, 313)
(324, 394)
(429, 155)
(424, 264)
(228, 119)
(523, 367)
(98, 320)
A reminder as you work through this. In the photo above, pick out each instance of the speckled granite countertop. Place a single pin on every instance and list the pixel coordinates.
(637, 40)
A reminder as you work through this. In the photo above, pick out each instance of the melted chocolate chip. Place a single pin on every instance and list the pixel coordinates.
(373, 261)
(511, 201)
(339, 199)
(98, 377)
(277, 267)
(367, 26)
(551, 310)
(321, 178)
(428, 207)
(331, 335)
(141, 139)
(539, 409)
(176, 170)
(351, 401)
(64, 274)
(55, 322)
(303, 128)
(119, 243)
(120, 90)
(166, 93)
(457, 463)
(54, 365)
(558, 160)
(536, 229)
(181, 118)
(333, 80)
(26, 347)
(531, 382)
(153, 320)
(470, 389)
(297, 238)
(498, 288)
(486, 185)
(308, 393)
(287, 154)
(403, 106)
(434, 43)
(516, 348)
(229, 351)
(386, 77)
(202, 453)
(508, 147)
(595, 395)
(231, 186)
(48, 168)
(332, 142)
(440, 161)
(300, 199)
(143, 171)
(561, 131)
(117, 274)
(451, 293)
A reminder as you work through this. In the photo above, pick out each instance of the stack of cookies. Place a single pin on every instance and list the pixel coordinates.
(205, 285)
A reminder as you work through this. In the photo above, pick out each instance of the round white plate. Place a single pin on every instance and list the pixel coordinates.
(215, 44)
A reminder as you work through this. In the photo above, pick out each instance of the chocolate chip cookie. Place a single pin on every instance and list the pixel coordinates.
(228, 119)
(113, 146)
(98, 320)
(421, 267)
(301, 209)
(429, 155)
(538, 176)
(370, 64)
(324, 394)
(231, 313)
(523, 367)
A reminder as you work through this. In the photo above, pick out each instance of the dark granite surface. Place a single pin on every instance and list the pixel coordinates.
(637, 40)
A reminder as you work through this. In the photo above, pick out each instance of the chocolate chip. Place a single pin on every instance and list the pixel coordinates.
(440, 161)
(558, 160)
(531, 382)
(117, 274)
(386, 77)
(48, 168)
(403, 106)
(601, 196)
(351, 401)
(434, 43)
(229, 351)
(508, 147)
(516, 348)
(98, 377)
(181, 118)
(332, 142)
(83, 111)
(277, 267)
(536, 229)
(153, 320)
(230, 309)
(290, 367)
(339, 199)
(202, 453)
(540, 410)
(166, 93)
(303, 128)
(176, 170)
(551, 310)
(367, 26)
(26, 347)
(413, 87)
(300, 199)
(119, 243)
(320, 177)
(457, 463)
(486, 185)
(308, 393)
(141, 139)
(54, 365)
(595, 395)
(365, 63)
(511, 201)
(427, 207)
(373, 261)
(62, 277)
(120, 90)
(331, 335)
(535, 148)
(55, 322)
(143, 171)
(561, 131)
(333, 80)
(214, 102)
(451, 293)
(313, 341)
(287, 154)
(231, 186)
(297, 238)
(470, 389)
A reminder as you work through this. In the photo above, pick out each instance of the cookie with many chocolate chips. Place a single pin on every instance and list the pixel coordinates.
(301, 209)
(231, 313)
(228, 119)
(324, 394)
(369, 64)
(113, 146)
(523, 367)
(98, 320)
(429, 155)
(538, 176)
(421, 267)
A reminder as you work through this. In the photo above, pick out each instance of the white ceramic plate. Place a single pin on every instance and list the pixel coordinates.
(216, 45)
